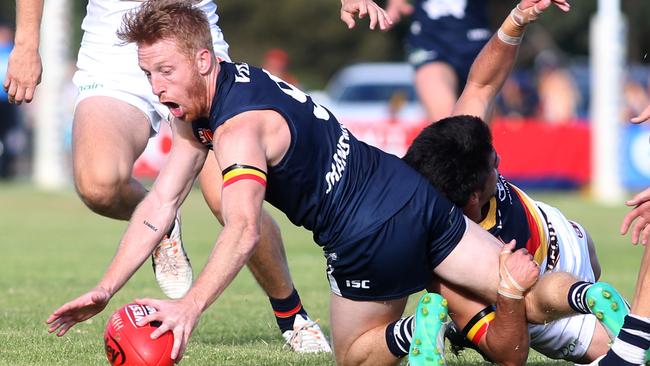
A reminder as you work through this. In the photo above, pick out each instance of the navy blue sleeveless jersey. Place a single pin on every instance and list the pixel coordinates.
(448, 31)
(382, 226)
(328, 181)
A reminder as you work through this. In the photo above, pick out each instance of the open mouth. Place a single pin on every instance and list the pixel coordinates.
(174, 108)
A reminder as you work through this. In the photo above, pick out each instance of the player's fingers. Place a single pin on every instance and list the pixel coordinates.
(148, 319)
(509, 246)
(348, 19)
(6, 82)
(627, 221)
(29, 95)
(562, 4)
(178, 341)
(11, 93)
(639, 225)
(54, 325)
(372, 13)
(164, 327)
(20, 95)
(362, 9)
(181, 352)
(385, 21)
(65, 327)
(148, 302)
(645, 235)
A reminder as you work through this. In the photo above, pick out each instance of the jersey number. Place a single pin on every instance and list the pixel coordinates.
(297, 94)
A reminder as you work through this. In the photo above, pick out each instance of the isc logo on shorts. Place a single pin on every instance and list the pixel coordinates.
(357, 283)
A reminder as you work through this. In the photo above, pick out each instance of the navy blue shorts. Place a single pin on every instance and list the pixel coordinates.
(451, 48)
(397, 259)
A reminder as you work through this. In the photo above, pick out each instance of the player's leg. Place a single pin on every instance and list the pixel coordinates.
(549, 299)
(632, 343)
(108, 135)
(271, 271)
(437, 86)
(359, 330)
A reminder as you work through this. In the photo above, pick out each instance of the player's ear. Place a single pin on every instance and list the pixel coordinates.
(204, 60)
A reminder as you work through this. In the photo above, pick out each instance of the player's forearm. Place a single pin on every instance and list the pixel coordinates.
(506, 341)
(486, 77)
(234, 247)
(149, 223)
(28, 23)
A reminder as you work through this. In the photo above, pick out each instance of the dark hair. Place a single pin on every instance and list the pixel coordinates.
(176, 20)
(454, 155)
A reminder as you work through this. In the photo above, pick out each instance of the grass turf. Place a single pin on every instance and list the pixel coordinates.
(54, 249)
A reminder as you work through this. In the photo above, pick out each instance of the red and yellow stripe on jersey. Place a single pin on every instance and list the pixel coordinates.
(537, 245)
(514, 215)
(477, 327)
(237, 172)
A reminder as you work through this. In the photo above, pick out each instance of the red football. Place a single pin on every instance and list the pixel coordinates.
(127, 344)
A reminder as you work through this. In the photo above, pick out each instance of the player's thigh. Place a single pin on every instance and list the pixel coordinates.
(473, 265)
(437, 86)
(350, 319)
(108, 135)
(210, 181)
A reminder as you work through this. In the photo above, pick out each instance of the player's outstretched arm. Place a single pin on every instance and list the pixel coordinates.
(639, 218)
(495, 61)
(241, 153)
(363, 8)
(24, 68)
(150, 221)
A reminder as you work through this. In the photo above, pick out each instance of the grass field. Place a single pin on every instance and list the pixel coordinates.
(53, 249)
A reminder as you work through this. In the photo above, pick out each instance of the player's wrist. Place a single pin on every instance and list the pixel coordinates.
(513, 28)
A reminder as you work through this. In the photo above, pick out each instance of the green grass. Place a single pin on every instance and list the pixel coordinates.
(53, 249)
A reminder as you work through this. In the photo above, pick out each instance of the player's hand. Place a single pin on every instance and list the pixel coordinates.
(398, 8)
(377, 15)
(543, 4)
(80, 309)
(178, 316)
(638, 218)
(23, 74)
(521, 266)
(644, 116)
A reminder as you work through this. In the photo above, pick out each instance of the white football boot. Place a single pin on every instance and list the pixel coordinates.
(171, 264)
(306, 337)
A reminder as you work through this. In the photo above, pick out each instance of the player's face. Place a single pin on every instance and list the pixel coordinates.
(175, 79)
(490, 188)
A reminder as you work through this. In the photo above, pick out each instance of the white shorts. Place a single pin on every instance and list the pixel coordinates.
(106, 68)
(567, 338)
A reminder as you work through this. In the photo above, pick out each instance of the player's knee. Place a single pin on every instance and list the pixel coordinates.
(100, 194)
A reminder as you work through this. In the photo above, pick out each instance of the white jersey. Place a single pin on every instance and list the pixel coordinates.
(106, 67)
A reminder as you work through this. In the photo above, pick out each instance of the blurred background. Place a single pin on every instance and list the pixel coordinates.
(545, 123)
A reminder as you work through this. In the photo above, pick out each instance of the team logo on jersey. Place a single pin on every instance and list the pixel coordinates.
(205, 136)
(577, 230)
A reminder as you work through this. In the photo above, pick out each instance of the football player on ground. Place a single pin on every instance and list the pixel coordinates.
(456, 155)
(384, 229)
(115, 115)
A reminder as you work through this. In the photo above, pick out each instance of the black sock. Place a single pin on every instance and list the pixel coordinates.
(577, 296)
(630, 345)
(285, 310)
(398, 336)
